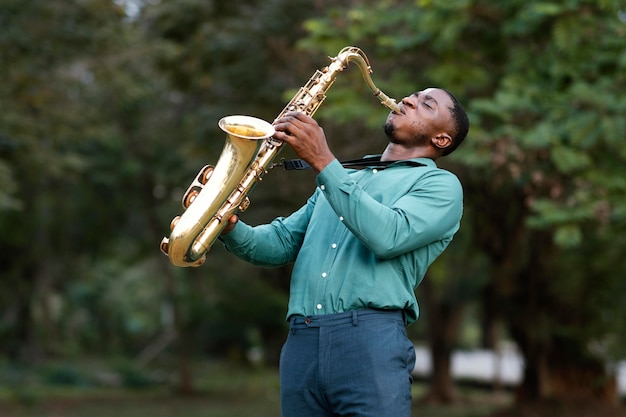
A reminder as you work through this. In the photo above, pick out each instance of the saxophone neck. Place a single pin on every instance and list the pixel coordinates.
(313, 93)
(352, 53)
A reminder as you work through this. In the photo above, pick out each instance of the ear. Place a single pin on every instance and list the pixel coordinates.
(442, 141)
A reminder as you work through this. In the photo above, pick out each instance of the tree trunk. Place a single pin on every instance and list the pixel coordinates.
(443, 322)
(18, 342)
(183, 342)
(558, 364)
(562, 370)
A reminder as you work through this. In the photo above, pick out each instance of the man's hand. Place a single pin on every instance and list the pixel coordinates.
(232, 221)
(306, 138)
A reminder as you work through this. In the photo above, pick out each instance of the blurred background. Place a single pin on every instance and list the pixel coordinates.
(108, 109)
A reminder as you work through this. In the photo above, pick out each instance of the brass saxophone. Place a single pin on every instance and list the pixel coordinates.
(219, 192)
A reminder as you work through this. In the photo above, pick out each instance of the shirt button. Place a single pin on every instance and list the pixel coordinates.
(375, 171)
(322, 187)
(319, 306)
(324, 274)
(340, 218)
(334, 246)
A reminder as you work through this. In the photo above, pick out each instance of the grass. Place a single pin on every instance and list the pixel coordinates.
(221, 390)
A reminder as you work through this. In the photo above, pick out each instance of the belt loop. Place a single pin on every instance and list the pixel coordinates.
(355, 320)
(292, 322)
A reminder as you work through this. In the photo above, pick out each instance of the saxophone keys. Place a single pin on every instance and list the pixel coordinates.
(165, 245)
(198, 262)
(196, 186)
(174, 222)
(244, 204)
(190, 196)
(205, 174)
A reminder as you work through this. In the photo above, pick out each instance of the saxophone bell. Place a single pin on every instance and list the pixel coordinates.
(214, 195)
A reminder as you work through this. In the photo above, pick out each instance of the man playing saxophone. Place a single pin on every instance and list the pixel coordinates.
(360, 246)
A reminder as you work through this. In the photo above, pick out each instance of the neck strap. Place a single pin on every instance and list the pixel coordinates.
(370, 161)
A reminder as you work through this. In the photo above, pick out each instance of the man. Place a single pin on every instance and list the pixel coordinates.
(361, 245)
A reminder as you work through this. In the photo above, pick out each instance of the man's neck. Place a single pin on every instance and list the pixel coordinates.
(395, 152)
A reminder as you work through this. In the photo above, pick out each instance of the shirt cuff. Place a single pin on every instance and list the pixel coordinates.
(333, 173)
(238, 234)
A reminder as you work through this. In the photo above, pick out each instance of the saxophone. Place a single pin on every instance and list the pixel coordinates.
(219, 192)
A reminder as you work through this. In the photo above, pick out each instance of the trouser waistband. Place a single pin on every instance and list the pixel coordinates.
(349, 317)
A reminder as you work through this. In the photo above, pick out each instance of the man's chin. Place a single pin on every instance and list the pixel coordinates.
(389, 129)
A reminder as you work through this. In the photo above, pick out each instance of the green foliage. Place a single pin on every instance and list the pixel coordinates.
(64, 375)
(8, 187)
(106, 119)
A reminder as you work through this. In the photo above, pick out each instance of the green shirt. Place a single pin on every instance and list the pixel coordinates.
(364, 239)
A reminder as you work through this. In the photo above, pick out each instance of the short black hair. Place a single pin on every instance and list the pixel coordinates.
(461, 124)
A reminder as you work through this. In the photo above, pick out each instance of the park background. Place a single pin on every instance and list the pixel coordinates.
(108, 109)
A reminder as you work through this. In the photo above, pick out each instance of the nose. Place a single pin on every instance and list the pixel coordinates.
(406, 101)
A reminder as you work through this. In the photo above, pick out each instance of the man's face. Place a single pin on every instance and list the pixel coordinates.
(423, 115)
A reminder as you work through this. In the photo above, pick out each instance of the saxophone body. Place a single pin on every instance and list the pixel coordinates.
(219, 192)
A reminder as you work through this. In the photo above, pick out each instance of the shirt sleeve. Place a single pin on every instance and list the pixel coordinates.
(273, 244)
(430, 211)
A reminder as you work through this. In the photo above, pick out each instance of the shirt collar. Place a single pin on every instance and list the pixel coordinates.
(413, 161)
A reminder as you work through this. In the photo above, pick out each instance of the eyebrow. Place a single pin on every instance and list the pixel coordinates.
(427, 97)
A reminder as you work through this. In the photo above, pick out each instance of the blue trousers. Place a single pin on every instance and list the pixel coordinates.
(354, 364)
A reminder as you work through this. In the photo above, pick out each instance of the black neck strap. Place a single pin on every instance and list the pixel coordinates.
(370, 161)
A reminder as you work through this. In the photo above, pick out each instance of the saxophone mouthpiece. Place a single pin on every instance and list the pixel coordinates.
(389, 102)
(393, 106)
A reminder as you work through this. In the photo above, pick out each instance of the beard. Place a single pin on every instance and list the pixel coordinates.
(416, 140)
(389, 129)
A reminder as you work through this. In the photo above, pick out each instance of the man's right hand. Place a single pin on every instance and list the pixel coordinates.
(306, 138)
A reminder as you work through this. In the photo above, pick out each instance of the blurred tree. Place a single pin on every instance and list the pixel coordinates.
(542, 169)
(44, 48)
(105, 121)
